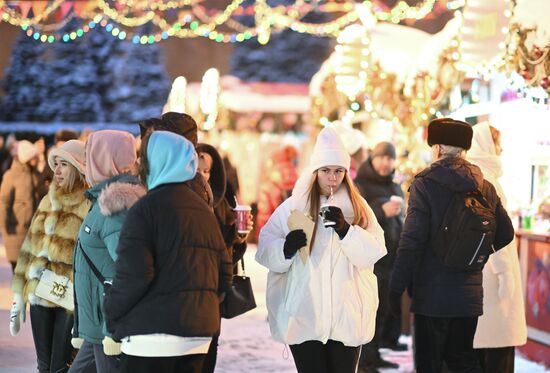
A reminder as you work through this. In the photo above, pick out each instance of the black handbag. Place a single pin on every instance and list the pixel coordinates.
(240, 298)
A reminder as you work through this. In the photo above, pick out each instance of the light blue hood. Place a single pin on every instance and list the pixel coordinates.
(172, 159)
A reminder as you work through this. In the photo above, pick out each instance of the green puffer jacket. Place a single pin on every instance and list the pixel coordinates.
(98, 237)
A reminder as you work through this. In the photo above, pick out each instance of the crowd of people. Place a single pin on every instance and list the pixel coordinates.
(141, 233)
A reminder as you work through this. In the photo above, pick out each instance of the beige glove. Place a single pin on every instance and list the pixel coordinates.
(110, 347)
(506, 285)
(76, 342)
(17, 313)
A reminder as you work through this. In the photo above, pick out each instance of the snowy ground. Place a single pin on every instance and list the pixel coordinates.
(245, 343)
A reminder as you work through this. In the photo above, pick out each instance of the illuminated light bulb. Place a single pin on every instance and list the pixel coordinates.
(43, 38)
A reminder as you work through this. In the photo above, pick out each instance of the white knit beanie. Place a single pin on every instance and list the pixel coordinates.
(26, 151)
(353, 139)
(329, 150)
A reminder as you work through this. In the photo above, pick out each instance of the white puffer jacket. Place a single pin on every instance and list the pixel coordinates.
(334, 294)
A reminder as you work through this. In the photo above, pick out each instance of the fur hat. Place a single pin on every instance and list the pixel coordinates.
(383, 148)
(26, 151)
(448, 131)
(329, 150)
(72, 151)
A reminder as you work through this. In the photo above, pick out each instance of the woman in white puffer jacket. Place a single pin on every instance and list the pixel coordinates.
(502, 325)
(323, 300)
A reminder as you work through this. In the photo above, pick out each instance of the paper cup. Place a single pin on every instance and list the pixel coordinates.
(242, 213)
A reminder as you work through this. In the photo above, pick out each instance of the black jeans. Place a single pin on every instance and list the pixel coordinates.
(332, 357)
(51, 331)
(497, 359)
(446, 340)
(173, 364)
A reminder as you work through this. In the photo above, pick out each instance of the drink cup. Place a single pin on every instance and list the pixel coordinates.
(242, 213)
(324, 209)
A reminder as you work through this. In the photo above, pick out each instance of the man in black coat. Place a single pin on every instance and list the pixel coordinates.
(375, 182)
(446, 301)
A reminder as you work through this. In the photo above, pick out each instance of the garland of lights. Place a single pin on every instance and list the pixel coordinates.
(136, 13)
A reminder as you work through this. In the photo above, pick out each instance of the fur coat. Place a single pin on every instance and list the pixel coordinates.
(50, 240)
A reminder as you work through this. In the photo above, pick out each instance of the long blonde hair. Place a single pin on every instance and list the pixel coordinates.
(359, 209)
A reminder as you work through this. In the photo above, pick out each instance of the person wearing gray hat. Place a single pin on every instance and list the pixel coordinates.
(375, 182)
(447, 299)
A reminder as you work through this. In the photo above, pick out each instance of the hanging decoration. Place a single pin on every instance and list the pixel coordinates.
(122, 16)
(529, 44)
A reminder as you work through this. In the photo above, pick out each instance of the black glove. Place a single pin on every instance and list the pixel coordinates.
(395, 303)
(335, 215)
(294, 241)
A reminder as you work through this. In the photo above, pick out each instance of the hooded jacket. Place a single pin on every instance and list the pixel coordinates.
(503, 321)
(172, 263)
(224, 202)
(98, 236)
(377, 190)
(437, 290)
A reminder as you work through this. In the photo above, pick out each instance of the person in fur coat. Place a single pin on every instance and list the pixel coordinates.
(49, 244)
(322, 301)
(110, 156)
(502, 325)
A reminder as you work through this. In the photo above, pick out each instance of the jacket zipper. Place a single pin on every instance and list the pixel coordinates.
(478, 247)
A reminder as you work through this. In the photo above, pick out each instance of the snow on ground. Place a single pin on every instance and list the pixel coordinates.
(245, 342)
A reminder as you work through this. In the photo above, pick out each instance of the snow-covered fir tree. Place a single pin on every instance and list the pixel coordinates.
(288, 57)
(96, 78)
(139, 82)
(24, 81)
(73, 93)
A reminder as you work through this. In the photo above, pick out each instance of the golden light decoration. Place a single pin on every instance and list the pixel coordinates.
(134, 13)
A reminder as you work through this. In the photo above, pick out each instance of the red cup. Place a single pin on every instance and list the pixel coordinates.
(242, 213)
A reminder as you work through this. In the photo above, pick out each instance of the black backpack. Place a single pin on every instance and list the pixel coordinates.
(465, 239)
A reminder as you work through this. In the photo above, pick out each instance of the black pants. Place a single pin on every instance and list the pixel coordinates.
(388, 327)
(211, 356)
(173, 364)
(332, 357)
(51, 331)
(445, 339)
(497, 359)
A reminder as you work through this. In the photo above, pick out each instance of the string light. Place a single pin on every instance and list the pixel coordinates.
(132, 14)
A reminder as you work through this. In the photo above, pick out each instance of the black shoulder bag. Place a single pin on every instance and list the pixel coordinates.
(240, 299)
(106, 283)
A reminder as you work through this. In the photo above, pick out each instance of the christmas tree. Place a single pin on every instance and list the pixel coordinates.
(73, 93)
(24, 82)
(139, 84)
